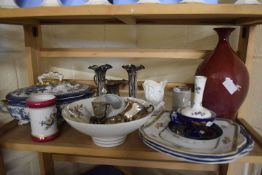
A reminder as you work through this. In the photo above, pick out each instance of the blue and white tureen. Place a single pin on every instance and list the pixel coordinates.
(65, 92)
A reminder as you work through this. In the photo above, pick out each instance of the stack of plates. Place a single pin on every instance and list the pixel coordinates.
(235, 142)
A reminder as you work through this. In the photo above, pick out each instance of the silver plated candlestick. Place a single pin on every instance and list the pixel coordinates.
(132, 77)
(100, 77)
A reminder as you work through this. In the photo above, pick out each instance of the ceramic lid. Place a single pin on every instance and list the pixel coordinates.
(61, 91)
(52, 83)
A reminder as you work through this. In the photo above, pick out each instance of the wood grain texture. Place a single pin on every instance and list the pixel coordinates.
(246, 53)
(255, 134)
(201, 13)
(175, 165)
(46, 164)
(33, 41)
(71, 142)
(2, 165)
(123, 53)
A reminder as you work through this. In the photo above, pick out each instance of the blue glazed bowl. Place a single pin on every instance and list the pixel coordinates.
(169, 1)
(28, 3)
(125, 1)
(178, 118)
(211, 1)
(72, 2)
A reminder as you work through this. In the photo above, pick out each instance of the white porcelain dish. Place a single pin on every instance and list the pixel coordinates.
(229, 143)
(244, 145)
(204, 145)
(105, 135)
(196, 159)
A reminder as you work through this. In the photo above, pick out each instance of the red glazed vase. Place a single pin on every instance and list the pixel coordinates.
(227, 78)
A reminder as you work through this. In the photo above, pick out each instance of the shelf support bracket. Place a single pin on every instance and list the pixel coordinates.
(46, 164)
(32, 34)
(127, 20)
(246, 46)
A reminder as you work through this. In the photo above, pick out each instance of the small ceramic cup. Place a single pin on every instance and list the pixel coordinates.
(181, 97)
(42, 114)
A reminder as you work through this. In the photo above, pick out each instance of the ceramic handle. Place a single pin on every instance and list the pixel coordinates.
(200, 82)
(3, 106)
(51, 75)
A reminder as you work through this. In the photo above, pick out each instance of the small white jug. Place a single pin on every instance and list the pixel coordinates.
(154, 93)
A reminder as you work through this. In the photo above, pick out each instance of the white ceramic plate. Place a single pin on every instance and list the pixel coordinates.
(196, 159)
(231, 140)
(242, 151)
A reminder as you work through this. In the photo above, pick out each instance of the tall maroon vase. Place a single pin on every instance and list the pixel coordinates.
(227, 78)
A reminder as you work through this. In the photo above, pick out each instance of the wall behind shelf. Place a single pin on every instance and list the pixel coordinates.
(13, 73)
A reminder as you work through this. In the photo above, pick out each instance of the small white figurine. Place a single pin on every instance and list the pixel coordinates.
(154, 93)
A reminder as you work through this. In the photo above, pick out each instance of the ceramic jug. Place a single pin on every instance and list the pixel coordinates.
(42, 113)
(154, 93)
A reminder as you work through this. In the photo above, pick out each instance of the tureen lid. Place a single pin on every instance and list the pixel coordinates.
(62, 90)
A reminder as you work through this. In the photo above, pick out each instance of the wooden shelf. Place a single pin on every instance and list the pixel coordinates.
(222, 14)
(123, 53)
(72, 146)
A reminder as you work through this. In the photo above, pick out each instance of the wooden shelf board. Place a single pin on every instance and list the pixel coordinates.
(177, 165)
(123, 53)
(73, 143)
(137, 14)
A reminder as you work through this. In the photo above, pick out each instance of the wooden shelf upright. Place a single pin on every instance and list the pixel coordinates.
(76, 147)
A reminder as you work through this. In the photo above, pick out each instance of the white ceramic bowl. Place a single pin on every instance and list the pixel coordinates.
(105, 135)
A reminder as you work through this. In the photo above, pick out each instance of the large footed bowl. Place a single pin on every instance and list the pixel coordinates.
(105, 135)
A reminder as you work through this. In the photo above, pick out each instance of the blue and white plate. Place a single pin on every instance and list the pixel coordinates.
(245, 149)
(234, 143)
(193, 158)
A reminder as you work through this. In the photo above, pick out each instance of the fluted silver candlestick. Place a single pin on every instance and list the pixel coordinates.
(132, 78)
(100, 77)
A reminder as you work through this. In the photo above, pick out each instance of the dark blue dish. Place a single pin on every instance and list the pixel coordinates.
(125, 1)
(199, 132)
(28, 3)
(72, 2)
(177, 117)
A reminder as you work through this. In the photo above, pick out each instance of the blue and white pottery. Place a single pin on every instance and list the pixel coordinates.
(200, 1)
(72, 2)
(169, 1)
(28, 3)
(196, 113)
(241, 151)
(234, 143)
(65, 93)
(125, 1)
(16, 100)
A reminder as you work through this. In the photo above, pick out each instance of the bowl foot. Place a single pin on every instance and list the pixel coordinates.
(109, 142)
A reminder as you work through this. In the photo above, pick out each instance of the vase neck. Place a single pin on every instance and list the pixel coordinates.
(224, 33)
